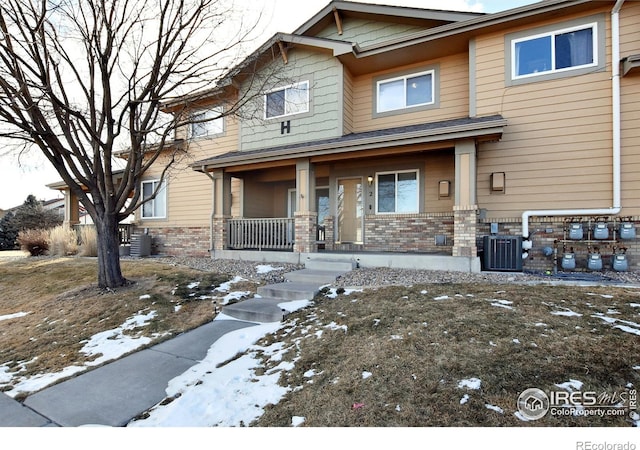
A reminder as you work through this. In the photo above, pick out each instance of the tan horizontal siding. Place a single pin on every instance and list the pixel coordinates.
(454, 96)
(208, 147)
(438, 166)
(629, 36)
(348, 102)
(556, 149)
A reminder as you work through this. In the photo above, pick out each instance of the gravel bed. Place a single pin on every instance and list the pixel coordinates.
(384, 276)
(245, 269)
(387, 276)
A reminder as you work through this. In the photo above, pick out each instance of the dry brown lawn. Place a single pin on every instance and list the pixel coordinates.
(417, 350)
(65, 307)
(392, 356)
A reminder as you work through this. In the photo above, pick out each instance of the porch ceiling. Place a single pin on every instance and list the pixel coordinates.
(401, 140)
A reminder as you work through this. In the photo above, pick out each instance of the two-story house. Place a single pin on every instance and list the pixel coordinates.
(402, 137)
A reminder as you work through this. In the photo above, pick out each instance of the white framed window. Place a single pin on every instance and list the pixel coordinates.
(572, 48)
(155, 208)
(287, 100)
(397, 192)
(207, 123)
(555, 51)
(407, 91)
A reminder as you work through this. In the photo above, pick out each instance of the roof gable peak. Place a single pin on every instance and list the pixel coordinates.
(337, 10)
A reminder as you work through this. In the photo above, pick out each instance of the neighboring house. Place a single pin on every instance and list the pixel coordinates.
(56, 205)
(386, 130)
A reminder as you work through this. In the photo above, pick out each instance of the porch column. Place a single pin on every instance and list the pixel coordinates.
(466, 208)
(221, 208)
(306, 216)
(71, 209)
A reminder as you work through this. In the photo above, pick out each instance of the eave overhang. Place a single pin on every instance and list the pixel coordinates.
(481, 129)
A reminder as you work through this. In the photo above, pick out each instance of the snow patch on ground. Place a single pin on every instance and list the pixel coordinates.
(230, 395)
(567, 313)
(470, 383)
(109, 344)
(333, 292)
(266, 268)
(13, 316)
(571, 385)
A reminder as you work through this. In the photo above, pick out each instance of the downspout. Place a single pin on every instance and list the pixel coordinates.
(615, 89)
(213, 208)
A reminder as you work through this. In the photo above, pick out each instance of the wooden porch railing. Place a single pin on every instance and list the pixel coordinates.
(124, 231)
(270, 233)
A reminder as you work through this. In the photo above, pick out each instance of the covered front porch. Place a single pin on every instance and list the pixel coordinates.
(395, 200)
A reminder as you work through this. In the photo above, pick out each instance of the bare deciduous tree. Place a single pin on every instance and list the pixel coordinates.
(85, 81)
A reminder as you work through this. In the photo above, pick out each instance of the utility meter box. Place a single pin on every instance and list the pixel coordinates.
(568, 261)
(620, 263)
(595, 261)
(575, 231)
(627, 231)
(601, 231)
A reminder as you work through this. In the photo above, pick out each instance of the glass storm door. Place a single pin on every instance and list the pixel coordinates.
(350, 210)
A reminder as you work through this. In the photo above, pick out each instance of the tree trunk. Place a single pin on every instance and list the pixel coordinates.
(109, 271)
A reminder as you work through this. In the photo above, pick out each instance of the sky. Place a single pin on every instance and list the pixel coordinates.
(29, 174)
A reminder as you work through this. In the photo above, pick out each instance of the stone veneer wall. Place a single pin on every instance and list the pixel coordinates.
(408, 232)
(548, 230)
(178, 241)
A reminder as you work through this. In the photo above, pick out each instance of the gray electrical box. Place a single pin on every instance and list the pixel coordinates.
(568, 261)
(575, 231)
(619, 263)
(627, 231)
(601, 231)
(595, 261)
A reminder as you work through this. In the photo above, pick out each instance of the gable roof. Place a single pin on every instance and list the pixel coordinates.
(457, 28)
(427, 18)
(467, 127)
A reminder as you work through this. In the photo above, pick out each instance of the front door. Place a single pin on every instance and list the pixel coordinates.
(350, 209)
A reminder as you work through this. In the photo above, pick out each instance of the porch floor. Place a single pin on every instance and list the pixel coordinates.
(420, 261)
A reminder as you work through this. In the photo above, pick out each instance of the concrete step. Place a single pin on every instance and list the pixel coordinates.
(256, 310)
(313, 276)
(330, 265)
(289, 291)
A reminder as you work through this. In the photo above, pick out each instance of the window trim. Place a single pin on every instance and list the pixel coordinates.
(596, 23)
(153, 202)
(433, 69)
(219, 110)
(284, 88)
(396, 173)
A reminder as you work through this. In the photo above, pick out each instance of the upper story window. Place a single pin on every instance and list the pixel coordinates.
(397, 192)
(405, 91)
(207, 123)
(556, 51)
(155, 208)
(287, 100)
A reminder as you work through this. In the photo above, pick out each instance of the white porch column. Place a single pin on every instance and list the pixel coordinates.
(466, 208)
(221, 208)
(71, 209)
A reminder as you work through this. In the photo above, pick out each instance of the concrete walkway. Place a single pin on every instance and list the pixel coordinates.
(115, 393)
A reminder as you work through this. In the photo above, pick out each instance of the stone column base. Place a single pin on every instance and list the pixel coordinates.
(220, 231)
(465, 223)
(305, 240)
